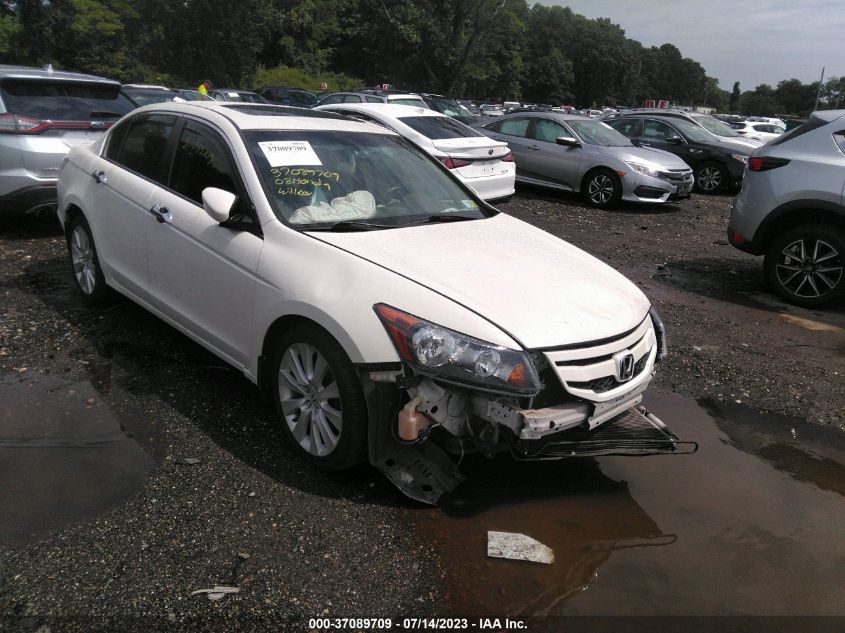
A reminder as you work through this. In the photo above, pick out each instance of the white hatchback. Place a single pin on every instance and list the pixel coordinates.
(482, 163)
(387, 311)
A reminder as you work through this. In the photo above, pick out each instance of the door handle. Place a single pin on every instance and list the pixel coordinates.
(99, 177)
(161, 213)
(645, 144)
(534, 147)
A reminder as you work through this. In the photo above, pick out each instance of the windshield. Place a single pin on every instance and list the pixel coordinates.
(598, 133)
(144, 97)
(315, 179)
(438, 127)
(693, 132)
(64, 101)
(412, 101)
(715, 126)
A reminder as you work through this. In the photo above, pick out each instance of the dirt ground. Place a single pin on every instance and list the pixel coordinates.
(202, 490)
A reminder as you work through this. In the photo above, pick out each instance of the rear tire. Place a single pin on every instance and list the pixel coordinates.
(319, 398)
(805, 265)
(85, 264)
(603, 189)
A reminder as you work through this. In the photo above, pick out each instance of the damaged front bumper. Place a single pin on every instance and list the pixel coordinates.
(463, 420)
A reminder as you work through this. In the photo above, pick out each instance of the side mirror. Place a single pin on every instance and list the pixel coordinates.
(675, 140)
(568, 141)
(218, 203)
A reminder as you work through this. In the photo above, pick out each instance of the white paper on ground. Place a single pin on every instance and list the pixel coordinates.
(286, 153)
(518, 547)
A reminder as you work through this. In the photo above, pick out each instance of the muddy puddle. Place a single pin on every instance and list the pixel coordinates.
(752, 524)
(65, 457)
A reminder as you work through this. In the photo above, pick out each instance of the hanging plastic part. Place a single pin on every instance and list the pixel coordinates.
(411, 422)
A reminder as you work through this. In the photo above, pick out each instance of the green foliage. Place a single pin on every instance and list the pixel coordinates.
(10, 26)
(298, 78)
(482, 49)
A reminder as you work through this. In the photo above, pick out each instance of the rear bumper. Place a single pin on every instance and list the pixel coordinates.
(29, 198)
(492, 188)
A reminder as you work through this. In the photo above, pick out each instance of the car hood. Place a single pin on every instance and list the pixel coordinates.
(744, 146)
(657, 157)
(540, 290)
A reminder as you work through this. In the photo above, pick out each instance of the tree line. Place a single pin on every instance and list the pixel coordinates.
(477, 49)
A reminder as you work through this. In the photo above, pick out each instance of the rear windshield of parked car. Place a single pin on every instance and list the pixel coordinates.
(438, 127)
(64, 100)
(812, 123)
(317, 178)
(599, 133)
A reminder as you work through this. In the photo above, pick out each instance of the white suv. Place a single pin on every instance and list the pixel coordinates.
(387, 310)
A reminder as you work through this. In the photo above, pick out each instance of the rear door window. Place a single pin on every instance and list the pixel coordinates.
(512, 127)
(352, 99)
(64, 101)
(438, 127)
(145, 147)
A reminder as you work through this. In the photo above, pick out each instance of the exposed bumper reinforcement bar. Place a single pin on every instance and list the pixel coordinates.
(634, 432)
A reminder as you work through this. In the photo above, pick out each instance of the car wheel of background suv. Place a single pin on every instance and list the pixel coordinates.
(603, 189)
(711, 178)
(84, 263)
(805, 265)
(319, 399)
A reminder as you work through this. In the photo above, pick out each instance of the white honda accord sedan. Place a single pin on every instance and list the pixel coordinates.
(388, 312)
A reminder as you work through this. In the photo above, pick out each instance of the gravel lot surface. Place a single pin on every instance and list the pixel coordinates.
(224, 501)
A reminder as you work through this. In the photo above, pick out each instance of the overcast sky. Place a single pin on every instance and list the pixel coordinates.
(753, 42)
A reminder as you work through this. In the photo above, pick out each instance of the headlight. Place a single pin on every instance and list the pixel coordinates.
(645, 170)
(740, 157)
(659, 333)
(454, 357)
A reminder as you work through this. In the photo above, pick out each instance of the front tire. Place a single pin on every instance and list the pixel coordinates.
(711, 178)
(319, 399)
(85, 264)
(805, 265)
(603, 189)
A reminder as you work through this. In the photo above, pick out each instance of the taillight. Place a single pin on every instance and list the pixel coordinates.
(13, 124)
(765, 163)
(507, 158)
(453, 163)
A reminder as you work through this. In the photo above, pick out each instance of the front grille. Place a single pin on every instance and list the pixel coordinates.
(606, 383)
(675, 176)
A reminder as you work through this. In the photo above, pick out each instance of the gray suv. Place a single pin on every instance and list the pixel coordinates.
(43, 113)
(791, 210)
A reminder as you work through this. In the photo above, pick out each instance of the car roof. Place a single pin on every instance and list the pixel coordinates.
(145, 87)
(260, 116)
(396, 111)
(28, 72)
(563, 116)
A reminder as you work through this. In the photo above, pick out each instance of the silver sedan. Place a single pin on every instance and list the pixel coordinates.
(587, 156)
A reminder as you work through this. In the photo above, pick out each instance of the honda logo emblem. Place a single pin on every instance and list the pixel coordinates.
(625, 367)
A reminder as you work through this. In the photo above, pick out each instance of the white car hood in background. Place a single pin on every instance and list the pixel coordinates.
(541, 290)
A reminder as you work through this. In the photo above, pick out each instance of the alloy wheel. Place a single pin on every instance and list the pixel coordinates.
(709, 178)
(310, 399)
(809, 268)
(82, 259)
(600, 189)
